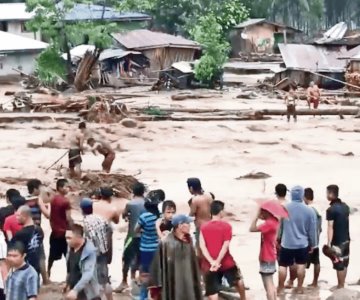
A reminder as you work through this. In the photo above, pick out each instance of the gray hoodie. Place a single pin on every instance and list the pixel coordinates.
(88, 282)
(299, 230)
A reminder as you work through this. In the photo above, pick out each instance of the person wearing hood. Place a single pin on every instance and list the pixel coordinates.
(299, 235)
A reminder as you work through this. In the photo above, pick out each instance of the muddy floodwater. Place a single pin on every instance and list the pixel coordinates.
(314, 152)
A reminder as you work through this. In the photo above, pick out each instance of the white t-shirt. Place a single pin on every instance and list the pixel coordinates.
(3, 250)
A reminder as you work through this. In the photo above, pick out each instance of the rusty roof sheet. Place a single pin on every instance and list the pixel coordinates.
(251, 22)
(145, 39)
(312, 58)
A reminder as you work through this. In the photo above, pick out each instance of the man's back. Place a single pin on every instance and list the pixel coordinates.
(58, 219)
(134, 208)
(200, 208)
(299, 228)
(106, 210)
(339, 213)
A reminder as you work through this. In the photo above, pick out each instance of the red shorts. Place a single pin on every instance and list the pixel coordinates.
(315, 102)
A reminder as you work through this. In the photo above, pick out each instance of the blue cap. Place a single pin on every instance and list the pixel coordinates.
(297, 193)
(86, 204)
(181, 219)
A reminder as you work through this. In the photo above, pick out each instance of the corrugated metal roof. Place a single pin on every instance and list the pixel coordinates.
(79, 51)
(251, 22)
(116, 53)
(145, 39)
(351, 53)
(335, 33)
(85, 12)
(12, 43)
(14, 11)
(312, 58)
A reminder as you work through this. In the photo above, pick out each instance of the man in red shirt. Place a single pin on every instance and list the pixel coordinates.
(215, 237)
(11, 224)
(268, 255)
(60, 221)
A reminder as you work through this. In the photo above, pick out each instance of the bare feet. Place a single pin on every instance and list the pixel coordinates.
(299, 290)
(123, 286)
(336, 287)
(289, 284)
(313, 285)
(280, 291)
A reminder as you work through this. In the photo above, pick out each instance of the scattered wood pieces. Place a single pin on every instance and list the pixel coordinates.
(181, 97)
(296, 147)
(254, 175)
(349, 154)
(247, 95)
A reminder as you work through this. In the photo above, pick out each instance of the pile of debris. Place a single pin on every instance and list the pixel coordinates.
(353, 79)
(259, 57)
(120, 183)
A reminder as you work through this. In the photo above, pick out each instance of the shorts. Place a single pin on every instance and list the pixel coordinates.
(289, 257)
(314, 258)
(267, 268)
(315, 102)
(146, 259)
(131, 255)
(58, 247)
(344, 256)
(213, 280)
(102, 269)
(291, 109)
(74, 158)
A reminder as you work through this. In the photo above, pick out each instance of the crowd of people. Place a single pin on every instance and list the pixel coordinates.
(165, 259)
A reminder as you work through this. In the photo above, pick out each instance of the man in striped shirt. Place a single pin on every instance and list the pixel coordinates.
(148, 242)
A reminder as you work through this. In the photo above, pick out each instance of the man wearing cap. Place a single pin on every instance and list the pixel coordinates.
(299, 235)
(199, 204)
(175, 272)
(96, 230)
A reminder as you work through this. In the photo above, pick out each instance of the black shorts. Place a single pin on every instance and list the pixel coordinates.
(314, 258)
(344, 256)
(74, 158)
(213, 280)
(58, 247)
(131, 255)
(289, 257)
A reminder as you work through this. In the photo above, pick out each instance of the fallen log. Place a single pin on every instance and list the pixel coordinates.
(202, 118)
(29, 117)
(313, 112)
(181, 97)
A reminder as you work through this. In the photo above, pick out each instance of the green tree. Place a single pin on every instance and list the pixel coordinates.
(209, 33)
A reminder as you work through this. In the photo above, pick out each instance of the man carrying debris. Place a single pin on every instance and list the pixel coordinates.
(291, 100)
(76, 149)
(313, 95)
(104, 149)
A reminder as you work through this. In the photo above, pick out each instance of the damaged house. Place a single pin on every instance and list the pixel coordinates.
(306, 63)
(261, 36)
(161, 49)
(18, 53)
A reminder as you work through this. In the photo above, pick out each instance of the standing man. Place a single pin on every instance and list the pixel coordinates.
(299, 234)
(60, 221)
(104, 149)
(215, 238)
(314, 257)
(11, 224)
(31, 236)
(76, 149)
(313, 95)
(280, 192)
(200, 204)
(175, 270)
(38, 207)
(131, 256)
(9, 209)
(291, 101)
(22, 282)
(337, 216)
(81, 280)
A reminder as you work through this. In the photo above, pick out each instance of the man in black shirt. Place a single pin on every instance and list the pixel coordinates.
(30, 235)
(337, 216)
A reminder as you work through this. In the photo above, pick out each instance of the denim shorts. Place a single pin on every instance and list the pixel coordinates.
(267, 268)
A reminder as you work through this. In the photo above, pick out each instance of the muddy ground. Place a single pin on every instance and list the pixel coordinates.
(314, 152)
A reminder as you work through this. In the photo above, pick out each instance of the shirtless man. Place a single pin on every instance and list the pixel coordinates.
(291, 101)
(107, 211)
(313, 95)
(200, 204)
(76, 149)
(104, 149)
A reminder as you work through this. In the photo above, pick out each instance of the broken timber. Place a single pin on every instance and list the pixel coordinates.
(29, 117)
